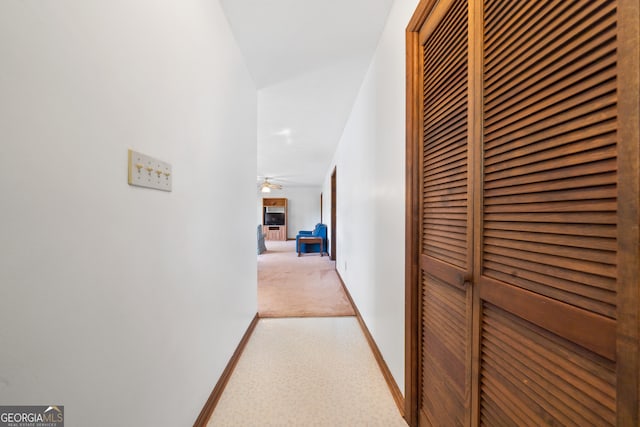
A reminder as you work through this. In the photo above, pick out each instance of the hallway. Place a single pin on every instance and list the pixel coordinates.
(490, 235)
(147, 293)
(307, 371)
(307, 361)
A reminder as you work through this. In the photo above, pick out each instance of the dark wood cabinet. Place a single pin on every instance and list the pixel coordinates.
(274, 218)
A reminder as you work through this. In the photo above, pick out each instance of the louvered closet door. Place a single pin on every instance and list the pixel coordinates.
(445, 255)
(548, 238)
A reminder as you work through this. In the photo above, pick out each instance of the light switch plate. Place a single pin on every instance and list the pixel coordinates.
(145, 171)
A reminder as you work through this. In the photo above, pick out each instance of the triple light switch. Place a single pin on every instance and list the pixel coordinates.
(145, 171)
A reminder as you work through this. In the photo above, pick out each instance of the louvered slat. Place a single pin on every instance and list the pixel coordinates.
(443, 361)
(547, 42)
(550, 193)
(535, 377)
(444, 187)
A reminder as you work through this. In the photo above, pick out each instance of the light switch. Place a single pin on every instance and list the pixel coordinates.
(145, 171)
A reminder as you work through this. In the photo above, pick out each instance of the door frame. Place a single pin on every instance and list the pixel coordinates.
(333, 253)
(628, 302)
(412, 210)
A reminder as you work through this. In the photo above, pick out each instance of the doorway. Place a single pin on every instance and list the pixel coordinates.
(334, 198)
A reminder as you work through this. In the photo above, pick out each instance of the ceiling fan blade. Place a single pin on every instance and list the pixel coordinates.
(268, 185)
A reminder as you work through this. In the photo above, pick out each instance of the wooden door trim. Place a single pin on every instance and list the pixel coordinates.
(436, 13)
(475, 170)
(628, 301)
(334, 213)
(412, 208)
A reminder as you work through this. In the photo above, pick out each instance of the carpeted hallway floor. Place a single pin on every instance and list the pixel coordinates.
(292, 286)
(307, 372)
(316, 371)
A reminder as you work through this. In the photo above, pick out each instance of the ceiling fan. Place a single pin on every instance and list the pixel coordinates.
(266, 186)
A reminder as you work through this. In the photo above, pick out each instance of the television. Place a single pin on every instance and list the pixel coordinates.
(274, 218)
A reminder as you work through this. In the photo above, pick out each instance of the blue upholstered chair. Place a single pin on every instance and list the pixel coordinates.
(319, 231)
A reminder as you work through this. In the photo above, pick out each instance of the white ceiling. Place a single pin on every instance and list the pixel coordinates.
(308, 60)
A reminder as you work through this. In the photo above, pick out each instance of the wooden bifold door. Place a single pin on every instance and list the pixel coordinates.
(522, 213)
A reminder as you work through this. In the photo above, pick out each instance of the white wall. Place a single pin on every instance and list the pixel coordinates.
(303, 207)
(370, 161)
(123, 304)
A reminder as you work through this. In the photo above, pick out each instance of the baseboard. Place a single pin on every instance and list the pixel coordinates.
(391, 382)
(211, 403)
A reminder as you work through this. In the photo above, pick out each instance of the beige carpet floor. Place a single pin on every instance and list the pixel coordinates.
(292, 286)
(305, 373)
